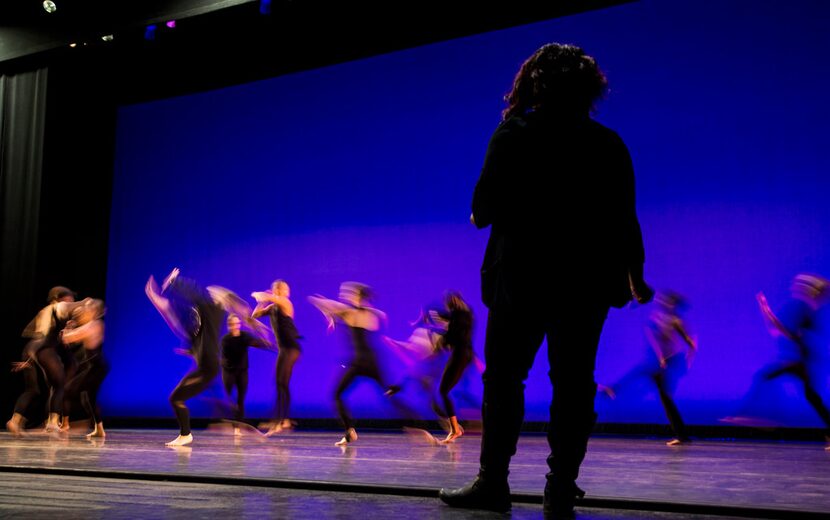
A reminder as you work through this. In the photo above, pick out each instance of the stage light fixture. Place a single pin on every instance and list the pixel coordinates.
(171, 24)
(150, 32)
(264, 6)
(73, 45)
(108, 37)
(49, 6)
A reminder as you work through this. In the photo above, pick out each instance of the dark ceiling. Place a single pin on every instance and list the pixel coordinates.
(221, 42)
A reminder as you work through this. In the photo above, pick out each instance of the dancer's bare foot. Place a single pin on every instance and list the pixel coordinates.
(421, 435)
(276, 429)
(97, 433)
(52, 424)
(15, 425)
(455, 430)
(453, 435)
(351, 436)
(181, 440)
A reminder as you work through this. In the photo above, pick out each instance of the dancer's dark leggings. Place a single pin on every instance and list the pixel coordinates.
(799, 369)
(514, 335)
(86, 385)
(665, 379)
(366, 369)
(236, 378)
(460, 359)
(58, 366)
(196, 381)
(285, 367)
(31, 391)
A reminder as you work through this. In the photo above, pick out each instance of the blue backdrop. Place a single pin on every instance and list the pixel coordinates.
(364, 171)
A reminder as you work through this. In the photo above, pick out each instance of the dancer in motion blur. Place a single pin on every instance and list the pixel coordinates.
(235, 362)
(458, 340)
(276, 303)
(557, 191)
(670, 355)
(363, 321)
(32, 373)
(795, 326)
(194, 314)
(89, 332)
(54, 358)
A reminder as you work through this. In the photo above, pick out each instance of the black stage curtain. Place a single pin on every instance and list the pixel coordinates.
(22, 131)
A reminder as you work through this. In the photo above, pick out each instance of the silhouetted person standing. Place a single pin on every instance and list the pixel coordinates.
(557, 190)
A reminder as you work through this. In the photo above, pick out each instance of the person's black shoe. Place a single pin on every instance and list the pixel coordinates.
(560, 498)
(480, 494)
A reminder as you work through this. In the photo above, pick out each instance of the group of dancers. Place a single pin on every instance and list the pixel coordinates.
(672, 349)
(195, 314)
(64, 352)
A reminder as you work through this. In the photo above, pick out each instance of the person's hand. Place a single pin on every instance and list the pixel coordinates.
(170, 279)
(262, 296)
(642, 292)
(151, 288)
(18, 366)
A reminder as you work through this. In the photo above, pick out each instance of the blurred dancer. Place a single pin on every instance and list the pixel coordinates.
(33, 376)
(192, 314)
(276, 303)
(557, 190)
(671, 354)
(795, 326)
(54, 358)
(420, 352)
(89, 332)
(363, 321)
(458, 340)
(235, 362)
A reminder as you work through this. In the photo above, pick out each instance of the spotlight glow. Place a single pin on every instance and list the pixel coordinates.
(171, 24)
(49, 6)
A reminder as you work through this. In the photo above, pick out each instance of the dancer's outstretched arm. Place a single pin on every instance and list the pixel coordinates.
(330, 309)
(91, 333)
(164, 307)
(773, 323)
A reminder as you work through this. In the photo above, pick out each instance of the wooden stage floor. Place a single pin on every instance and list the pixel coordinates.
(624, 477)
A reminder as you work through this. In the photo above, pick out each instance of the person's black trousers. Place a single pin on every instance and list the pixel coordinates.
(514, 335)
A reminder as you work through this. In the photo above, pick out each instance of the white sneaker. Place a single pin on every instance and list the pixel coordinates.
(181, 440)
